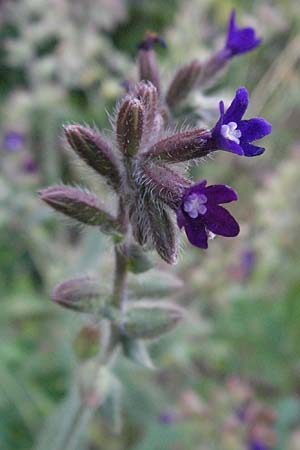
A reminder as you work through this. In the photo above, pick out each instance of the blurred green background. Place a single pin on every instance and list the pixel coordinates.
(64, 61)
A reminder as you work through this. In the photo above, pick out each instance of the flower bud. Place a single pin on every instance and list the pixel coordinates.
(147, 63)
(165, 184)
(90, 146)
(163, 231)
(146, 92)
(184, 81)
(80, 205)
(130, 126)
(147, 320)
(79, 294)
(179, 147)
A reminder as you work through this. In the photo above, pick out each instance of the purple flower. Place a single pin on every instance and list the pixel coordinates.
(28, 165)
(200, 213)
(233, 134)
(240, 40)
(13, 141)
(257, 445)
(167, 418)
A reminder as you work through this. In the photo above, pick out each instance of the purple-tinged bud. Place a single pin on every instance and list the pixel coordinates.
(79, 294)
(148, 69)
(179, 147)
(183, 82)
(163, 231)
(130, 126)
(146, 92)
(139, 220)
(153, 226)
(148, 320)
(90, 146)
(80, 205)
(164, 183)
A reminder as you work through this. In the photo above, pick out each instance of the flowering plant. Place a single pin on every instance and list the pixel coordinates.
(142, 164)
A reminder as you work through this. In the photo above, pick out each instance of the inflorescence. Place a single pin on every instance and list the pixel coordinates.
(141, 162)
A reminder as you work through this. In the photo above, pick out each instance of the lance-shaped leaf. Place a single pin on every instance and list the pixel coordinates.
(79, 294)
(130, 125)
(147, 320)
(164, 183)
(163, 231)
(183, 82)
(90, 146)
(94, 383)
(182, 146)
(136, 351)
(155, 283)
(80, 205)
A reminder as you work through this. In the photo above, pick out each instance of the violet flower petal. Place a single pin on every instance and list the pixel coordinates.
(255, 128)
(238, 106)
(252, 150)
(220, 221)
(196, 233)
(220, 193)
(240, 40)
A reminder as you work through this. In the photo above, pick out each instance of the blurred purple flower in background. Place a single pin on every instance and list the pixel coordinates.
(201, 213)
(257, 445)
(233, 134)
(28, 165)
(167, 418)
(240, 40)
(13, 141)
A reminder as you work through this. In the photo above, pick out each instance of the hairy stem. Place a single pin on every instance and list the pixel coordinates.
(83, 412)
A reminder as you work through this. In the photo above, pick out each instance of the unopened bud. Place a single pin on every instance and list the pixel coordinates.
(184, 81)
(147, 320)
(165, 184)
(179, 147)
(163, 231)
(130, 126)
(146, 92)
(90, 146)
(147, 63)
(80, 205)
(79, 294)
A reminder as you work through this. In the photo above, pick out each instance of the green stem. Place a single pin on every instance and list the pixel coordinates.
(83, 413)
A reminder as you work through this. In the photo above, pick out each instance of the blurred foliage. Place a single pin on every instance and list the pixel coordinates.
(64, 60)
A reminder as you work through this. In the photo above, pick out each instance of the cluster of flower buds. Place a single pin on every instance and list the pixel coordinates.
(142, 164)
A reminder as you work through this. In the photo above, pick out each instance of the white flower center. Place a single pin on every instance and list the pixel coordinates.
(231, 131)
(194, 205)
